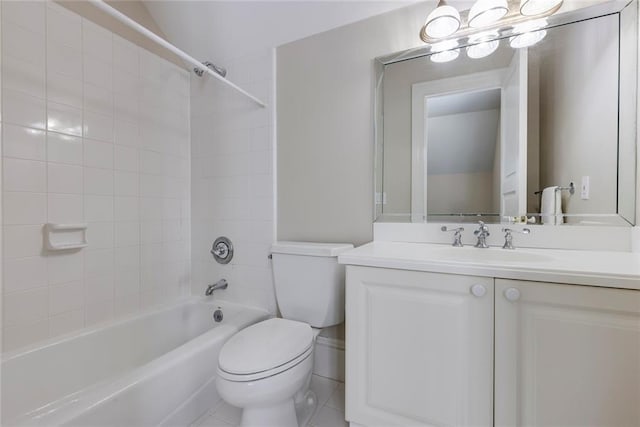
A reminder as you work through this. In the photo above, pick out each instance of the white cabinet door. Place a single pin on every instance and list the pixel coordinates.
(419, 348)
(566, 355)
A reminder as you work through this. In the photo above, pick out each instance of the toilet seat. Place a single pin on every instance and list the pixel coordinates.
(265, 349)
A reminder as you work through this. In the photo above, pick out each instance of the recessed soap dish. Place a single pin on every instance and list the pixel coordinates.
(61, 237)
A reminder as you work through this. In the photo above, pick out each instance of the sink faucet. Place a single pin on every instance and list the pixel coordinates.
(482, 233)
(220, 284)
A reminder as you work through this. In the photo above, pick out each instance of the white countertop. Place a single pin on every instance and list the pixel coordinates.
(607, 269)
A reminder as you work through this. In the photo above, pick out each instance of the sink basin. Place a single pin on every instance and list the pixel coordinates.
(490, 255)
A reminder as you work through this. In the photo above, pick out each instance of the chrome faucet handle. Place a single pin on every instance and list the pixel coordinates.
(457, 237)
(508, 236)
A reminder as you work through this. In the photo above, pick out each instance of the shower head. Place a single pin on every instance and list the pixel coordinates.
(220, 70)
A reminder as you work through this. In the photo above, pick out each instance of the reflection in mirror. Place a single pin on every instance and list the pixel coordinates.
(473, 170)
(483, 137)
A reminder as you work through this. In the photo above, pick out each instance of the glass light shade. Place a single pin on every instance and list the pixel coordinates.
(537, 7)
(527, 39)
(442, 21)
(445, 56)
(487, 12)
(483, 49)
(444, 45)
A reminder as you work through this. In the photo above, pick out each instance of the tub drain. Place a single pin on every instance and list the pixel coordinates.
(217, 316)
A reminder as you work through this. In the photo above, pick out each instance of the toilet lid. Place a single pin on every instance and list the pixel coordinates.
(264, 346)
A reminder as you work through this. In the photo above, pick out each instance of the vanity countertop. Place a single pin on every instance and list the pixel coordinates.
(593, 268)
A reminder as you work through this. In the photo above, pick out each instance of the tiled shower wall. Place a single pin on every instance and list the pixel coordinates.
(232, 180)
(95, 130)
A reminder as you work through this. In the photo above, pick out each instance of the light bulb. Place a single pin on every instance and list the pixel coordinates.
(445, 56)
(487, 12)
(443, 21)
(538, 7)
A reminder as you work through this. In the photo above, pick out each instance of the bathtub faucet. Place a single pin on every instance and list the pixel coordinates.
(220, 284)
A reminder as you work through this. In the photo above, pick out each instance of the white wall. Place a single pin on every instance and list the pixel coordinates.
(232, 180)
(94, 130)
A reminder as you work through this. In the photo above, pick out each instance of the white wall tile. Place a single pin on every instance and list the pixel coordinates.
(26, 306)
(24, 208)
(21, 335)
(64, 119)
(127, 209)
(66, 297)
(63, 26)
(99, 289)
(100, 235)
(24, 175)
(97, 72)
(25, 273)
(98, 154)
(64, 89)
(98, 99)
(98, 181)
(65, 208)
(21, 241)
(21, 109)
(64, 60)
(98, 126)
(66, 322)
(126, 183)
(27, 14)
(23, 76)
(127, 233)
(23, 143)
(98, 208)
(64, 148)
(63, 178)
(98, 262)
(96, 41)
(19, 42)
(125, 55)
(126, 158)
(71, 129)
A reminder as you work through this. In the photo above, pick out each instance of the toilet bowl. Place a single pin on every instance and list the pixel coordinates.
(265, 369)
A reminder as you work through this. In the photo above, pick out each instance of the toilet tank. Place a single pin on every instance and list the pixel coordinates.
(309, 282)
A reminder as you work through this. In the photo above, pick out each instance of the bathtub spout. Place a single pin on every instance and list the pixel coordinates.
(220, 284)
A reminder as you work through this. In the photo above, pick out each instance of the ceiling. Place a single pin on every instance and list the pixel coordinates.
(224, 30)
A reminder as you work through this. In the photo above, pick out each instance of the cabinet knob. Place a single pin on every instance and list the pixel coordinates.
(478, 290)
(512, 294)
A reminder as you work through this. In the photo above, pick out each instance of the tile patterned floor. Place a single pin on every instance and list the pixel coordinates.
(329, 413)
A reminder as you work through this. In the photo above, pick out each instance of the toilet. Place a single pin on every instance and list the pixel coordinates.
(265, 369)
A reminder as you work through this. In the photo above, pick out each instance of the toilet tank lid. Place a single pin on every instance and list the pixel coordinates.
(310, 249)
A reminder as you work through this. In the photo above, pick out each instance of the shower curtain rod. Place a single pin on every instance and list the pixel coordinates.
(100, 4)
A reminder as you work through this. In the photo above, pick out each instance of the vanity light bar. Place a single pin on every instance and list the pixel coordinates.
(512, 18)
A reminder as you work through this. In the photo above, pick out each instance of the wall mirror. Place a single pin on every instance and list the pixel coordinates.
(544, 133)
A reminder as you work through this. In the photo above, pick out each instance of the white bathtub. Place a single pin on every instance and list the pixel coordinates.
(153, 369)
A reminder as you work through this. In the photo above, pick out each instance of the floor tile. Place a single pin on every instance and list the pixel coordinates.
(323, 388)
(227, 413)
(336, 401)
(328, 417)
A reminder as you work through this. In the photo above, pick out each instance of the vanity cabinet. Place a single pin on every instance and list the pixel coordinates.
(566, 355)
(421, 347)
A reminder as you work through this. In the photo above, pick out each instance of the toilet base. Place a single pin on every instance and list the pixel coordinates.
(285, 414)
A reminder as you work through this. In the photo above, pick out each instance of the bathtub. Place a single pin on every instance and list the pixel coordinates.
(156, 368)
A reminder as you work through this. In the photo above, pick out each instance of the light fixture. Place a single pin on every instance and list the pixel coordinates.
(487, 12)
(444, 45)
(482, 45)
(443, 21)
(445, 56)
(538, 7)
(528, 33)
